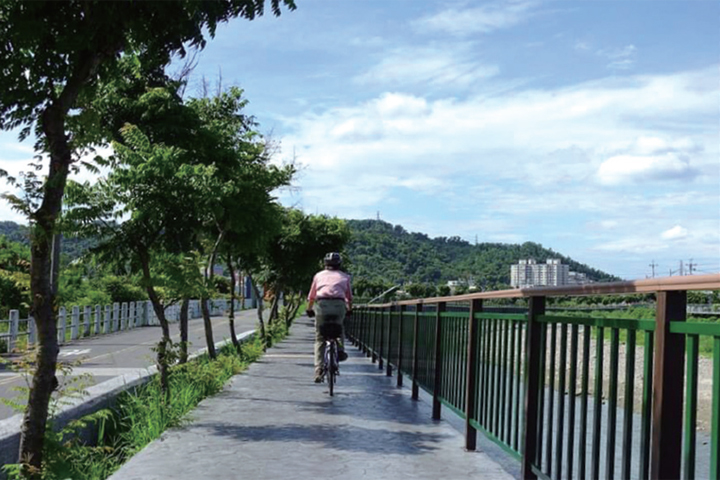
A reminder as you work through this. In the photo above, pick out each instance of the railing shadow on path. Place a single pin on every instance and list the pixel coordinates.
(274, 422)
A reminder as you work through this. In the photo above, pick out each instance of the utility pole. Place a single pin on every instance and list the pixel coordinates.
(691, 266)
(653, 265)
(682, 269)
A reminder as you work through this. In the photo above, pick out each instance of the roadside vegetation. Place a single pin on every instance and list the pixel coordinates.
(95, 446)
(183, 185)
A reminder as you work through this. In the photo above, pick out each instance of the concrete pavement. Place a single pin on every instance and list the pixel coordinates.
(273, 422)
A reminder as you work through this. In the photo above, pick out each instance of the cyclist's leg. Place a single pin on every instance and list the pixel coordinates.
(336, 310)
(319, 349)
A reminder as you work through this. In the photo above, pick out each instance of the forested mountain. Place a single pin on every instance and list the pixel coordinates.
(72, 248)
(383, 253)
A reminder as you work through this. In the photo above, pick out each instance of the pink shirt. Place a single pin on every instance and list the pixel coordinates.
(331, 284)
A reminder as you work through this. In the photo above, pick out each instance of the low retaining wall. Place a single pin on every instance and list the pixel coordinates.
(99, 396)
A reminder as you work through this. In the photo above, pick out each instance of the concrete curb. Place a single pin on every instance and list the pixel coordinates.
(99, 396)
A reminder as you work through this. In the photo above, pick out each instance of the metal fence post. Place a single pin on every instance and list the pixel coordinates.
(98, 314)
(532, 386)
(86, 321)
(471, 375)
(400, 346)
(107, 320)
(116, 317)
(416, 323)
(373, 336)
(123, 315)
(381, 338)
(75, 323)
(668, 375)
(132, 315)
(150, 313)
(367, 332)
(32, 331)
(62, 323)
(441, 306)
(14, 327)
(358, 314)
(388, 369)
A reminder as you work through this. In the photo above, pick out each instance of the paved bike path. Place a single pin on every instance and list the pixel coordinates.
(273, 422)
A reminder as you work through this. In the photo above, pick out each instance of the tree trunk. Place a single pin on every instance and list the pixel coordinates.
(32, 432)
(231, 316)
(263, 334)
(274, 307)
(241, 298)
(55, 268)
(52, 123)
(296, 306)
(165, 342)
(208, 328)
(44, 380)
(209, 274)
(184, 330)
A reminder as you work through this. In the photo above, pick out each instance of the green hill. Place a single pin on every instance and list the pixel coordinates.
(382, 253)
(72, 248)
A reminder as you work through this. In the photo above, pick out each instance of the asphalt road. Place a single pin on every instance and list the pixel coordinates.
(118, 353)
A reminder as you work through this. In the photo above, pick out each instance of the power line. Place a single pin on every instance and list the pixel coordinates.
(653, 265)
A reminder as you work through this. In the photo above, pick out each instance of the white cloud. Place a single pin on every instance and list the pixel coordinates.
(620, 59)
(604, 224)
(599, 120)
(674, 233)
(483, 19)
(445, 65)
(623, 169)
(398, 105)
(582, 46)
(633, 244)
(515, 154)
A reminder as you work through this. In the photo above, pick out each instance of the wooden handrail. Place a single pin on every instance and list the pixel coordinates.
(664, 284)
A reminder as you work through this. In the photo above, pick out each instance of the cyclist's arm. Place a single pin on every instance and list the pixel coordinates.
(311, 294)
(349, 295)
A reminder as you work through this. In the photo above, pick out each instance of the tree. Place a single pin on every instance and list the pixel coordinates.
(296, 254)
(52, 56)
(242, 182)
(158, 188)
(14, 277)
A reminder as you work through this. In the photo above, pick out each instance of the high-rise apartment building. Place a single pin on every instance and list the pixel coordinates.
(529, 273)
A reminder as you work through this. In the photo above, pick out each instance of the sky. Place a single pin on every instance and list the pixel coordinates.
(590, 127)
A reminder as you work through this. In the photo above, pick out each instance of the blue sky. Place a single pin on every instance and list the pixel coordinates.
(591, 127)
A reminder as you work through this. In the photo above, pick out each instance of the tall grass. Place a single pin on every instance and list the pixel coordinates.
(139, 417)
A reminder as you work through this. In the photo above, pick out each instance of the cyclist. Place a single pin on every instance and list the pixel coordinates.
(332, 292)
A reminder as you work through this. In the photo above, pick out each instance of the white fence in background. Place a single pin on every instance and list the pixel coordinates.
(88, 321)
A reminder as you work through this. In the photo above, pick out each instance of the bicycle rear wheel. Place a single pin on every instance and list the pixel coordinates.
(331, 368)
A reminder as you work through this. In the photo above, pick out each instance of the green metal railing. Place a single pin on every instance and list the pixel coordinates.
(570, 397)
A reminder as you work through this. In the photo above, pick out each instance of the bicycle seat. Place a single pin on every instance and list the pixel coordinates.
(330, 330)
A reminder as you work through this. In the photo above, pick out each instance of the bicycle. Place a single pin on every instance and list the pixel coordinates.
(331, 332)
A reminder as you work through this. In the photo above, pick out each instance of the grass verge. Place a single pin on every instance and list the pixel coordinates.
(95, 446)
